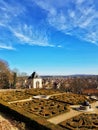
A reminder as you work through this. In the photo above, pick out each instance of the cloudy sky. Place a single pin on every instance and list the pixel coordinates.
(50, 36)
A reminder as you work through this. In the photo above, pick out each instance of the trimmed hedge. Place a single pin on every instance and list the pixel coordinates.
(31, 120)
(82, 122)
(70, 98)
(43, 108)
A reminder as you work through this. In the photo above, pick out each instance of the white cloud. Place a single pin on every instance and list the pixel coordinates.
(29, 35)
(9, 11)
(11, 15)
(4, 46)
(78, 18)
(59, 46)
(92, 37)
(1, 24)
(79, 1)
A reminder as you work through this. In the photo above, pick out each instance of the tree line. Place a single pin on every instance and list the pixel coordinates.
(7, 77)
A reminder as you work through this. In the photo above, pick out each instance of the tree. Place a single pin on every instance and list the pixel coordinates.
(14, 79)
(5, 74)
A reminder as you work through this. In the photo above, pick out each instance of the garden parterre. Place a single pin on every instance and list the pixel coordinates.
(57, 104)
(81, 122)
(70, 98)
(44, 108)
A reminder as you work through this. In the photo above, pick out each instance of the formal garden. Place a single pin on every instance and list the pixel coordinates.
(44, 108)
(14, 95)
(70, 98)
(39, 110)
(81, 122)
(55, 105)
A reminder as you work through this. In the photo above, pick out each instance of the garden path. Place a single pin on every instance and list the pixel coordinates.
(24, 100)
(72, 113)
(60, 118)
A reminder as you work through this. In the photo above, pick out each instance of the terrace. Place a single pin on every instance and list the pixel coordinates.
(52, 106)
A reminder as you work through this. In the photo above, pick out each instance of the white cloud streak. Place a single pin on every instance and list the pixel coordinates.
(11, 15)
(4, 46)
(29, 35)
(9, 11)
(78, 18)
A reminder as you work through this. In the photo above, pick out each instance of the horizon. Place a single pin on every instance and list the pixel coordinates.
(59, 75)
(51, 38)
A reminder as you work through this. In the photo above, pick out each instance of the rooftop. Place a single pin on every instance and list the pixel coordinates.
(33, 75)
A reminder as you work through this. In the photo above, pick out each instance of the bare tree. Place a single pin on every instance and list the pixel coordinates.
(5, 74)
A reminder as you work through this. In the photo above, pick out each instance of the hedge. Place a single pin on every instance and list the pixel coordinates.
(31, 120)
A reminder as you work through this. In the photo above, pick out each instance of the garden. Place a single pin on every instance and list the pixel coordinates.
(44, 108)
(81, 122)
(55, 105)
(14, 95)
(39, 110)
(70, 98)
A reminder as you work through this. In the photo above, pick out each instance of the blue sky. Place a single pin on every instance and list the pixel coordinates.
(55, 37)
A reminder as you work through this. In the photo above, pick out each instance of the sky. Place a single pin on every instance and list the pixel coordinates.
(51, 37)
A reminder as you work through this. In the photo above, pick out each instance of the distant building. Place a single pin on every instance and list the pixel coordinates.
(34, 81)
(92, 91)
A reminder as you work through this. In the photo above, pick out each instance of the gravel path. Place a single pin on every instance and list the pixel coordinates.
(60, 118)
(24, 100)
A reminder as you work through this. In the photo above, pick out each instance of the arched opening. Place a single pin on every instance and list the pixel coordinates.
(37, 84)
